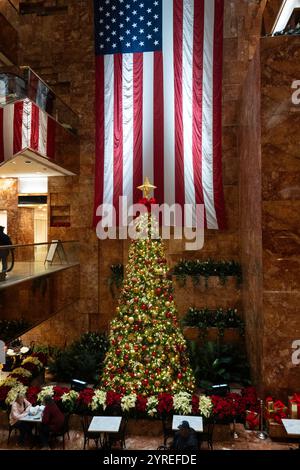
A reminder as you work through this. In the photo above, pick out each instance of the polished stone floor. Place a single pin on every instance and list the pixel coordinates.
(246, 441)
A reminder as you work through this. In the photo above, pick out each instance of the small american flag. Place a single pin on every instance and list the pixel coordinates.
(158, 102)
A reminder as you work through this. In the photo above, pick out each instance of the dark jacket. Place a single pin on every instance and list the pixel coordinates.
(4, 239)
(53, 417)
(190, 443)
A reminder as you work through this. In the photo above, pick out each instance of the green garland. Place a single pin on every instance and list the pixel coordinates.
(221, 319)
(199, 268)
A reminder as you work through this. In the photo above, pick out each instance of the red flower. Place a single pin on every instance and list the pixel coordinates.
(113, 398)
(141, 403)
(4, 389)
(31, 367)
(195, 404)
(165, 403)
(20, 378)
(59, 391)
(252, 419)
(41, 357)
(32, 393)
(85, 396)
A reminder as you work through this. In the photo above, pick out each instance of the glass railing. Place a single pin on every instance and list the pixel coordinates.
(39, 281)
(23, 262)
(20, 83)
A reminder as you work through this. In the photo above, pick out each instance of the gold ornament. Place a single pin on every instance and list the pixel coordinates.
(131, 320)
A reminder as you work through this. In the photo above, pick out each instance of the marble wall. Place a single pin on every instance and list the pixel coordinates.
(250, 214)
(280, 211)
(9, 202)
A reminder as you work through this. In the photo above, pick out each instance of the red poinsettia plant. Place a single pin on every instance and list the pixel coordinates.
(276, 410)
(165, 403)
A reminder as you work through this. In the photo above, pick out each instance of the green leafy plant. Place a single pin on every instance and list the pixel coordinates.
(81, 360)
(206, 269)
(221, 319)
(116, 277)
(215, 363)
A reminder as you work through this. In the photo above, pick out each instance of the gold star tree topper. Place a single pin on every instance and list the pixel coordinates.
(147, 187)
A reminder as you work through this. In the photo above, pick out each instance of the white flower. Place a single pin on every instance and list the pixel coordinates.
(205, 406)
(10, 352)
(10, 382)
(98, 400)
(152, 403)
(18, 389)
(24, 350)
(71, 396)
(182, 403)
(45, 392)
(22, 371)
(128, 402)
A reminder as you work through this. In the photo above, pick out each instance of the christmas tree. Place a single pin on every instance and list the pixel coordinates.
(147, 353)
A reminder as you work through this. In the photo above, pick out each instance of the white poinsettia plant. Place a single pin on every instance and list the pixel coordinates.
(128, 402)
(98, 400)
(152, 404)
(47, 391)
(205, 406)
(18, 389)
(22, 371)
(182, 403)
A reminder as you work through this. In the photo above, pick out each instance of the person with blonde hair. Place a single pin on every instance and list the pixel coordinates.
(19, 409)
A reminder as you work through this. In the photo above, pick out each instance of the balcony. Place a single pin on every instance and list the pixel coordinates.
(41, 280)
(38, 131)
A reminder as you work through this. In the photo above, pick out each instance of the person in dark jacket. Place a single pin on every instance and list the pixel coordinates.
(185, 439)
(4, 241)
(53, 421)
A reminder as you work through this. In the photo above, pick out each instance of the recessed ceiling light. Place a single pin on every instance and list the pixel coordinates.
(13, 163)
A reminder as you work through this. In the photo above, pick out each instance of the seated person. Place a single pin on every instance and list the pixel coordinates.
(19, 409)
(52, 421)
(185, 439)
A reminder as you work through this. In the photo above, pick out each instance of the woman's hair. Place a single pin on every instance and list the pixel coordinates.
(20, 395)
(48, 399)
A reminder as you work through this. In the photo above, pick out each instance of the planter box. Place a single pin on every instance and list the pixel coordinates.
(145, 427)
(276, 431)
(231, 335)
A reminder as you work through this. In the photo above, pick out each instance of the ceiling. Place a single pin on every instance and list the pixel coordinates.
(27, 163)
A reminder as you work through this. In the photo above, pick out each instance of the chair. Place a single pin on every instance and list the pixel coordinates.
(167, 429)
(62, 432)
(96, 437)
(208, 430)
(11, 428)
(120, 436)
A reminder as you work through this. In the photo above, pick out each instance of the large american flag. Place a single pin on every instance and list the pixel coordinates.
(158, 102)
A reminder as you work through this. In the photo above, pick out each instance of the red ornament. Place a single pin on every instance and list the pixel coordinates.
(118, 352)
(168, 314)
(126, 357)
(158, 291)
(171, 298)
(154, 354)
(144, 307)
(136, 327)
(144, 347)
(135, 347)
(179, 375)
(145, 382)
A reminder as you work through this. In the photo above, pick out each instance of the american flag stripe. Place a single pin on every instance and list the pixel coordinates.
(197, 98)
(158, 126)
(24, 125)
(169, 99)
(138, 120)
(219, 202)
(161, 116)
